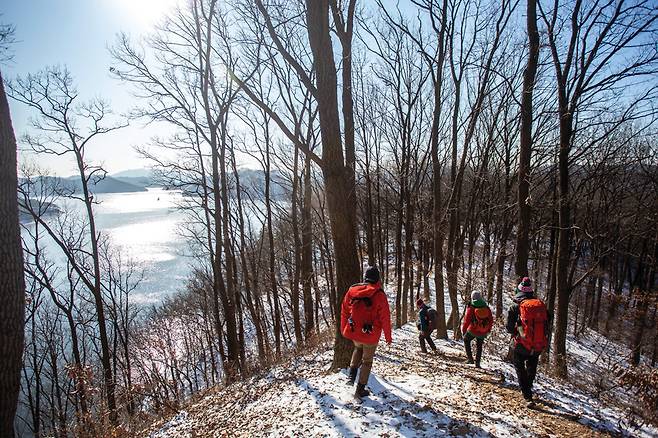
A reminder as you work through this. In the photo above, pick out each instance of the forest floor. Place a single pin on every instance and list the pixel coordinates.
(413, 394)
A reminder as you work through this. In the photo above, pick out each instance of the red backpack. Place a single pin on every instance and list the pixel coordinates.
(532, 330)
(362, 313)
(481, 317)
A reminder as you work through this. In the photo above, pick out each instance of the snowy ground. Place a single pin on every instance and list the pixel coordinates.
(414, 394)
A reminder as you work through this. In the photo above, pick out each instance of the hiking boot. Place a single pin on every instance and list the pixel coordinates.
(361, 391)
(469, 361)
(352, 375)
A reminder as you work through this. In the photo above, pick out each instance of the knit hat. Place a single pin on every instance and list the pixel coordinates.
(420, 302)
(476, 295)
(371, 275)
(525, 286)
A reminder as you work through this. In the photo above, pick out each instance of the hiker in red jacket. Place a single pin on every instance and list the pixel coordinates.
(528, 321)
(364, 314)
(477, 324)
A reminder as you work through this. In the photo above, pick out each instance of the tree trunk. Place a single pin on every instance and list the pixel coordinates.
(271, 254)
(407, 291)
(500, 267)
(338, 178)
(641, 307)
(12, 283)
(563, 246)
(369, 225)
(307, 252)
(398, 260)
(525, 148)
(437, 207)
(594, 321)
(294, 287)
(253, 309)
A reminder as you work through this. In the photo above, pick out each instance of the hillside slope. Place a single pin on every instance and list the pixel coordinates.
(414, 394)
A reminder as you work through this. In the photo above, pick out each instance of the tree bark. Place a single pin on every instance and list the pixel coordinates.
(12, 282)
(525, 148)
(307, 252)
(563, 245)
(294, 287)
(640, 323)
(338, 178)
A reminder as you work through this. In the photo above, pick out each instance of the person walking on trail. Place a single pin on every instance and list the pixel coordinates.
(477, 324)
(364, 315)
(528, 322)
(426, 325)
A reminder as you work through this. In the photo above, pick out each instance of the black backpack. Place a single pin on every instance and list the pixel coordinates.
(431, 318)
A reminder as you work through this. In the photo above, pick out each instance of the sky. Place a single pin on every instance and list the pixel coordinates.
(77, 34)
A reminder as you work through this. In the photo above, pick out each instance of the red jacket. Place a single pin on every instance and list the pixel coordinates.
(478, 328)
(377, 314)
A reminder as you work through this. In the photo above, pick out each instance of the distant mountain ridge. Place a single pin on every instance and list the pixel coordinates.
(111, 184)
(133, 173)
(137, 180)
(107, 185)
(252, 182)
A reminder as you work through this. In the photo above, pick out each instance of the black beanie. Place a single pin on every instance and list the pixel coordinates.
(372, 274)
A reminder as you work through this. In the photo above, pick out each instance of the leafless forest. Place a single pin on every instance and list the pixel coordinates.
(459, 145)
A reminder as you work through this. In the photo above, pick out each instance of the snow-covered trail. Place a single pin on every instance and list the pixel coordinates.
(413, 394)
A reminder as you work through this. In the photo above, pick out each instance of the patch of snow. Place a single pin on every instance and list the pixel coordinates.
(176, 426)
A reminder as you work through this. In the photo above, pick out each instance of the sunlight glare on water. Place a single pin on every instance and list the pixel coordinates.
(152, 200)
(146, 242)
(144, 225)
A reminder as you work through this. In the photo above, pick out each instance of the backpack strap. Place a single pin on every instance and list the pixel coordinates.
(518, 312)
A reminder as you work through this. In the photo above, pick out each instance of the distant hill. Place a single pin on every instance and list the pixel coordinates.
(133, 173)
(48, 209)
(114, 185)
(136, 180)
(107, 185)
(139, 181)
(252, 181)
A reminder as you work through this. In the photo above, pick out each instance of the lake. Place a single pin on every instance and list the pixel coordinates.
(144, 226)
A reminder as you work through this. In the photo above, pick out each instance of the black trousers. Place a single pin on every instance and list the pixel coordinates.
(427, 338)
(479, 342)
(526, 369)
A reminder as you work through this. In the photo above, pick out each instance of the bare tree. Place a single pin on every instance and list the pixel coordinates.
(185, 88)
(605, 47)
(338, 173)
(65, 128)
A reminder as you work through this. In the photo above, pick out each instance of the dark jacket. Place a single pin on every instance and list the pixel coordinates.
(425, 323)
(513, 312)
